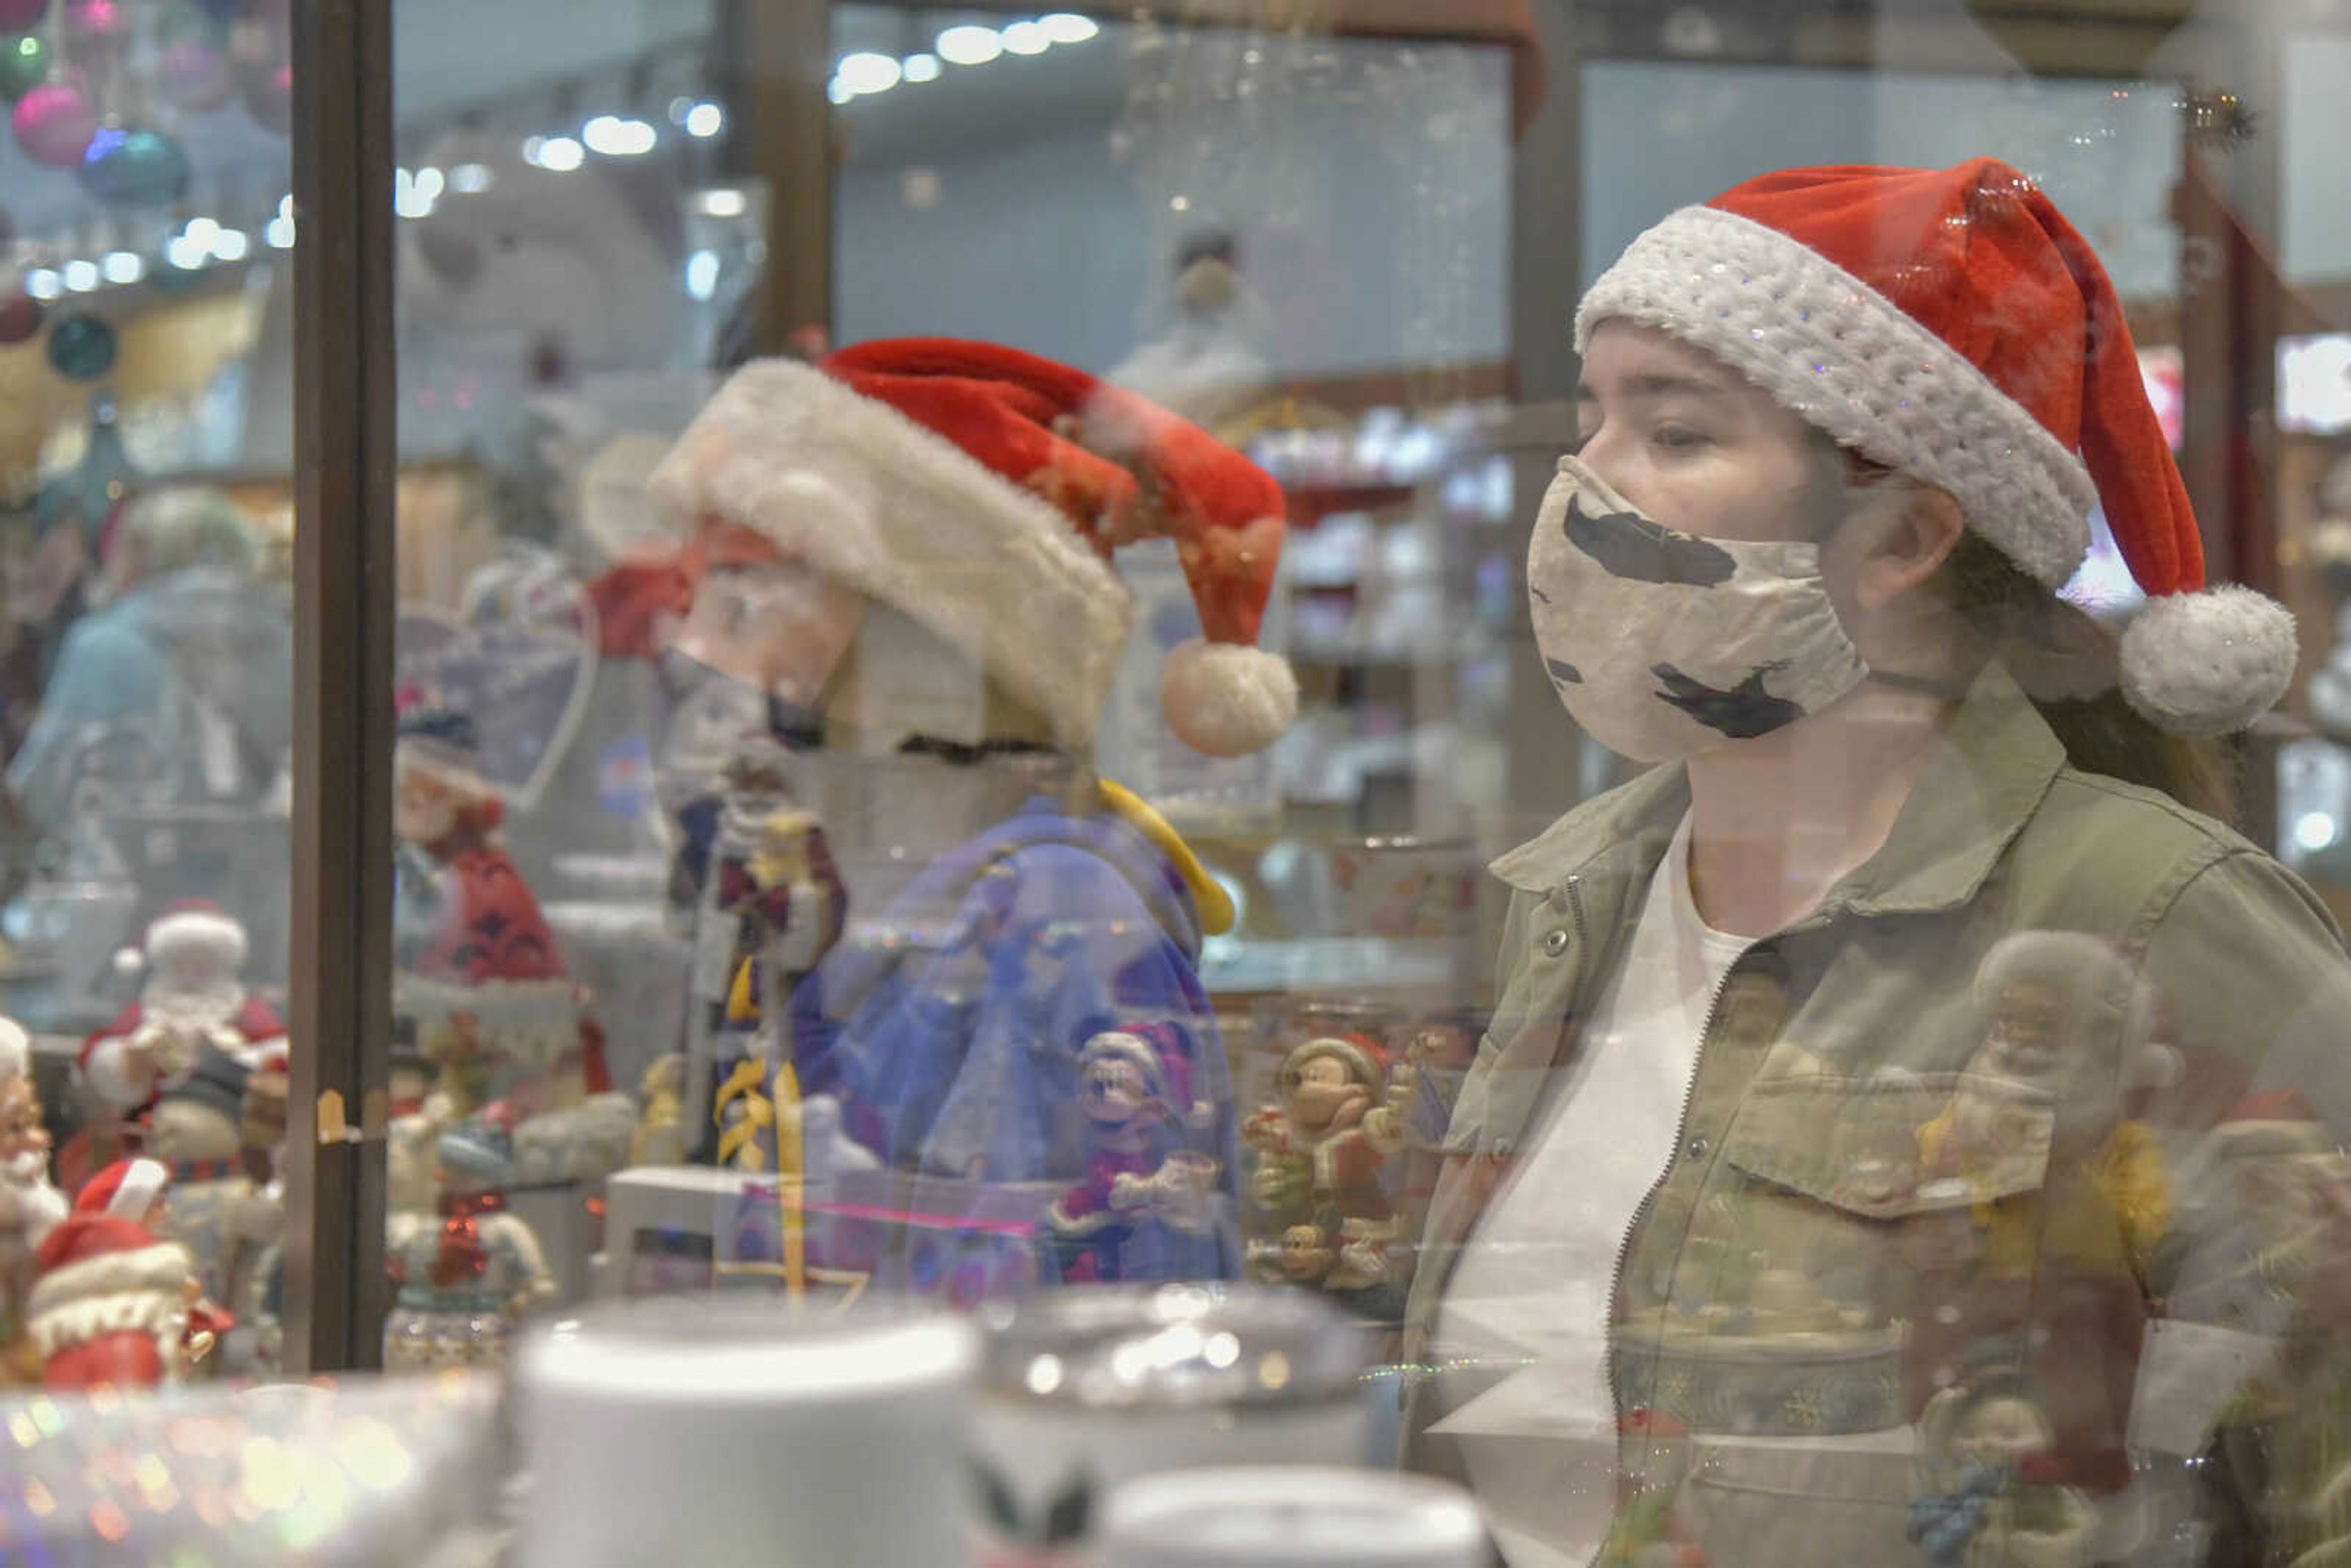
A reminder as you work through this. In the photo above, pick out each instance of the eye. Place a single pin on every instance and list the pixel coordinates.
(1680, 437)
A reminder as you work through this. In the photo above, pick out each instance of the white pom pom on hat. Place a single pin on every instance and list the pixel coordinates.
(2209, 663)
(1796, 280)
(1226, 699)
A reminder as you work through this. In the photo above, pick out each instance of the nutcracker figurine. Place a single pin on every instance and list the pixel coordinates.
(767, 905)
(1324, 1151)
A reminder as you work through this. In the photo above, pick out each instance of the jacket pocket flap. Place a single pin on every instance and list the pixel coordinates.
(1884, 1148)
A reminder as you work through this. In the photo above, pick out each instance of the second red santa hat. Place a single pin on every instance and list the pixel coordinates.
(980, 491)
(1952, 324)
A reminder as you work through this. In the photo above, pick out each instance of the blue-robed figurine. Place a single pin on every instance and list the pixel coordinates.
(908, 547)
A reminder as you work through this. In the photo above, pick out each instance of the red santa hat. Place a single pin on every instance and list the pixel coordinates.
(193, 937)
(109, 1301)
(126, 1189)
(1952, 325)
(1158, 1053)
(980, 491)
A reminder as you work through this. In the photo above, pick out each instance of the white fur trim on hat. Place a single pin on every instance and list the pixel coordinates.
(1224, 699)
(16, 1049)
(2209, 663)
(536, 1021)
(906, 516)
(141, 1291)
(1843, 357)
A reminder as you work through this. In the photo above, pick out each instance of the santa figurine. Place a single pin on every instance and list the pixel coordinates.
(193, 996)
(1146, 1207)
(114, 1304)
(467, 1275)
(1323, 1150)
(480, 979)
(30, 1206)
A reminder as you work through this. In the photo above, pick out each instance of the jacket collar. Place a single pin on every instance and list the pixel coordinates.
(1997, 759)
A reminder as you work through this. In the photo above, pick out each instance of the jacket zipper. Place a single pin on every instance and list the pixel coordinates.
(1650, 1198)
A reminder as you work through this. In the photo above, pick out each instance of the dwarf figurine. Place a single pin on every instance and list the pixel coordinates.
(466, 1280)
(193, 996)
(30, 1204)
(1323, 1150)
(1134, 1090)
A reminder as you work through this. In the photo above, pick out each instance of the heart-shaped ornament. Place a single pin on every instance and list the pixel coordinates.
(517, 656)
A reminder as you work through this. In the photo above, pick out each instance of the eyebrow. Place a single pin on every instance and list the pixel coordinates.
(1658, 386)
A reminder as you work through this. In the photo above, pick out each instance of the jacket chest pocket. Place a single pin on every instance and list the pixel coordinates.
(1780, 1297)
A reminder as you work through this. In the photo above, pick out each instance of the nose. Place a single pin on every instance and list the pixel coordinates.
(1611, 457)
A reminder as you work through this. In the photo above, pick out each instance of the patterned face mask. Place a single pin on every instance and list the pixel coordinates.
(1664, 645)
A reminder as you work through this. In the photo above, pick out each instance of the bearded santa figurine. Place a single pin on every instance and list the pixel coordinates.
(194, 997)
(30, 1206)
(113, 1304)
(480, 978)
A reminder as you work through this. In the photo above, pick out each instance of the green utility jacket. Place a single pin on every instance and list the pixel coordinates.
(1867, 1228)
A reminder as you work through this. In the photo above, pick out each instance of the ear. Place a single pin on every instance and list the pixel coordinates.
(1910, 539)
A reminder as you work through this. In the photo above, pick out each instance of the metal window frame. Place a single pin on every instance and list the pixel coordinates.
(345, 380)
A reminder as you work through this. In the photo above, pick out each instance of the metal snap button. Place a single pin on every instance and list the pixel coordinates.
(1698, 1147)
(1555, 944)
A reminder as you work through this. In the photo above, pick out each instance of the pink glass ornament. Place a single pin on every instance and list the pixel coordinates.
(54, 124)
(97, 24)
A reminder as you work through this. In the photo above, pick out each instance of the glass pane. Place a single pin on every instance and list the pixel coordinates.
(1556, 746)
(146, 520)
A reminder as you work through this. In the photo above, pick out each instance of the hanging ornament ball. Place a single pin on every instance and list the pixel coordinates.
(20, 317)
(269, 98)
(196, 76)
(134, 168)
(81, 347)
(23, 65)
(96, 24)
(22, 15)
(54, 124)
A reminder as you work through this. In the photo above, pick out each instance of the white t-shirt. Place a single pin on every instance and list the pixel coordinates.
(1531, 1289)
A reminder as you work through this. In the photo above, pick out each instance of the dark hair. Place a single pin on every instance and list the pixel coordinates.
(2069, 665)
(2068, 662)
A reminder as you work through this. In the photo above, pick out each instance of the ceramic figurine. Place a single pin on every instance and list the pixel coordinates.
(1988, 1497)
(30, 1204)
(481, 982)
(1323, 1149)
(114, 1304)
(466, 1281)
(1149, 1194)
(193, 995)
